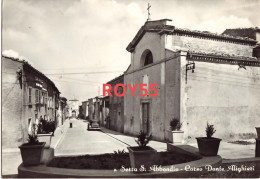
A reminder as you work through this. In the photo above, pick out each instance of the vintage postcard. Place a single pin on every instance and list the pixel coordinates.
(130, 89)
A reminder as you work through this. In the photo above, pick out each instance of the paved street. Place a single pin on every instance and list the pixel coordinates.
(79, 141)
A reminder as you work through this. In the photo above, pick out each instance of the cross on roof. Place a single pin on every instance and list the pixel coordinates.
(148, 9)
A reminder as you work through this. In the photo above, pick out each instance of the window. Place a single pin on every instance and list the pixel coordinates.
(46, 98)
(30, 95)
(43, 98)
(50, 104)
(29, 126)
(120, 90)
(36, 96)
(146, 58)
(29, 122)
(40, 97)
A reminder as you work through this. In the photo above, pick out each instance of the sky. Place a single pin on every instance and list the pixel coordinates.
(81, 44)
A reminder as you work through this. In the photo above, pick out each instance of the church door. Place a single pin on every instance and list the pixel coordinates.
(146, 117)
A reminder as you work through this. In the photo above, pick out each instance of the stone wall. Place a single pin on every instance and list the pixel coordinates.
(116, 108)
(12, 124)
(224, 96)
(208, 45)
(172, 88)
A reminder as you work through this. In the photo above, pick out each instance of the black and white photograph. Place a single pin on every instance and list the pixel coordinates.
(130, 88)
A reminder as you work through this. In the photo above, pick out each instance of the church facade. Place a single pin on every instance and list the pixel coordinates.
(201, 77)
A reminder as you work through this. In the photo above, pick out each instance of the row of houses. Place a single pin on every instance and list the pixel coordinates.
(201, 77)
(27, 96)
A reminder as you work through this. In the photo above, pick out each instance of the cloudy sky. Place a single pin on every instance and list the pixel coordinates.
(89, 38)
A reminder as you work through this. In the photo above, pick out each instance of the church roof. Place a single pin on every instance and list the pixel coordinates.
(155, 26)
(216, 54)
(243, 32)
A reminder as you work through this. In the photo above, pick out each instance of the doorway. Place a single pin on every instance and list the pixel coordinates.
(73, 114)
(146, 117)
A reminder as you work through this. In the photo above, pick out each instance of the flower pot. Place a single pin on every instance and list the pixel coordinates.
(32, 154)
(208, 146)
(45, 138)
(258, 132)
(175, 137)
(139, 156)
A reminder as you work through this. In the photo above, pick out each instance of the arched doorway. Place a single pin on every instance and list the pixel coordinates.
(73, 114)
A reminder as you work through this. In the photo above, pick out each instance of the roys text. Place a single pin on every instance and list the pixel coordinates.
(120, 90)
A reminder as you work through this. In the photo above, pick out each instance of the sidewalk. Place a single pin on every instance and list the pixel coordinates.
(59, 133)
(10, 161)
(226, 150)
(11, 158)
(130, 141)
(232, 151)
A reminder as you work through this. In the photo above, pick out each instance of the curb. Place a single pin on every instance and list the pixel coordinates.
(177, 170)
(114, 137)
(43, 171)
(63, 133)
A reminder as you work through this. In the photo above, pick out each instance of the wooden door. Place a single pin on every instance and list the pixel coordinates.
(145, 117)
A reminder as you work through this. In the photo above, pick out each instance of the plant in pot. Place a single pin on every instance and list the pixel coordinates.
(33, 150)
(258, 132)
(209, 145)
(142, 155)
(45, 131)
(175, 135)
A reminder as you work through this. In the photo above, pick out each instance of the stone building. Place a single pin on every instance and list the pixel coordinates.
(95, 109)
(62, 112)
(73, 107)
(27, 95)
(91, 112)
(201, 77)
(252, 33)
(85, 109)
(116, 106)
(105, 119)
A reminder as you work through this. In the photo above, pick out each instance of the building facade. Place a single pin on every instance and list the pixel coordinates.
(116, 106)
(63, 111)
(85, 109)
(28, 95)
(105, 119)
(201, 77)
(73, 107)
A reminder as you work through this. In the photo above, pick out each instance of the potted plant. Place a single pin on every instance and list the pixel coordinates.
(33, 150)
(175, 135)
(45, 131)
(142, 155)
(258, 132)
(209, 145)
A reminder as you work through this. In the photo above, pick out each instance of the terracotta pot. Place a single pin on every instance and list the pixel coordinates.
(145, 156)
(45, 138)
(175, 137)
(208, 146)
(258, 132)
(32, 154)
